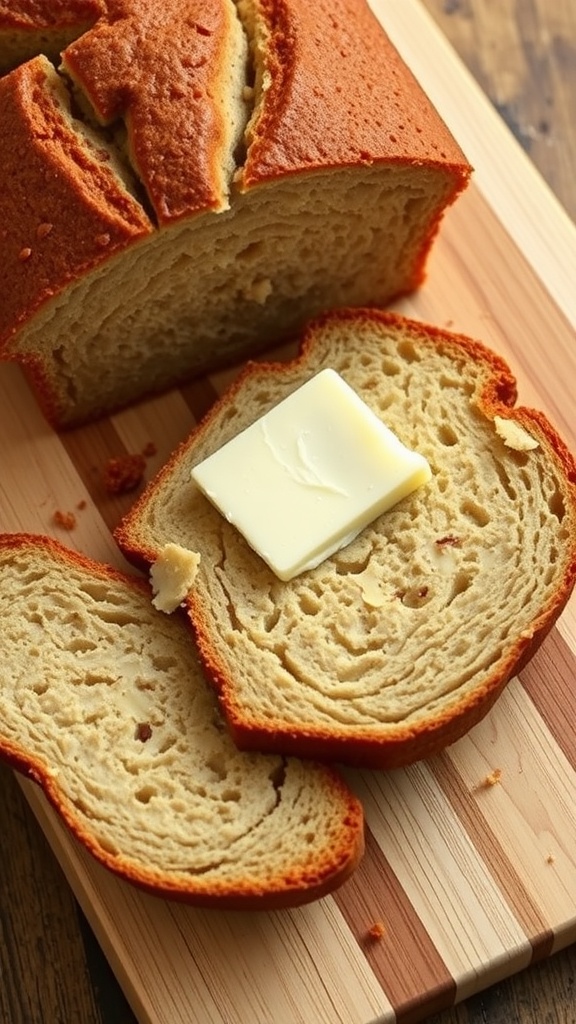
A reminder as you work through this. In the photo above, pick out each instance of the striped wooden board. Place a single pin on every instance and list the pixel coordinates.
(471, 881)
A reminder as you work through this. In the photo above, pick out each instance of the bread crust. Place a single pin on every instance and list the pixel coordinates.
(373, 747)
(306, 880)
(168, 80)
(161, 67)
(320, 62)
(63, 209)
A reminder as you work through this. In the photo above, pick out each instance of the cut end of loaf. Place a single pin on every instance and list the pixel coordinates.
(282, 254)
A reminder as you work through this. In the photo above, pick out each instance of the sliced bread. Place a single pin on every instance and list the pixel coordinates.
(195, 178)
(398, 644)
(102, 702)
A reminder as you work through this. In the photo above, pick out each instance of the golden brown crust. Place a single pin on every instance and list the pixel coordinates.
(80, 215)
(338, 95)
(158, 66)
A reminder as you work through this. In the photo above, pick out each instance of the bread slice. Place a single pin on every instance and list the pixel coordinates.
(103, 704)
(398, 644)
(196, 179)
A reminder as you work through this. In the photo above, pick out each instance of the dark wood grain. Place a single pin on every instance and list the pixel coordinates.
(523, 54)
(45, 974)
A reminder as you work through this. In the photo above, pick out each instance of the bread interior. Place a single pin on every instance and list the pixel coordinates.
(200, 293)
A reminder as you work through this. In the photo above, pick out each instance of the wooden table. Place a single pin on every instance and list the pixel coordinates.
(522, 53)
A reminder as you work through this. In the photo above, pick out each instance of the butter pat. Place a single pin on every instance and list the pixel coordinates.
(307, 477)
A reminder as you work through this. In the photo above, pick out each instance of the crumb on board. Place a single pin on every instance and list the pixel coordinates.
(65, 520)
(123, 473)
(550, 858)
(149, 450)
(376, 931)
(81, 505)
(492, 779)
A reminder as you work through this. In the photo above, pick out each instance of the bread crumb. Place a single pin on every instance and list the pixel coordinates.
(258, 291)
(65, 520)
(370, 586)
(376, 931)
(550, 858)
(24, 254)
(492, 779)
(43, 229)
(172, 576)
(123, 473)
(413, 597)
(449, 541)
(81, 504)
(514, 436)
(149, 450)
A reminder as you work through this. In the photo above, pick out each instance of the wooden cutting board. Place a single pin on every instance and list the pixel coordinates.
(470, 881)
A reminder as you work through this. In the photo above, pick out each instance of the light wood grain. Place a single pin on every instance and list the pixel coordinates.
(530, 811)
(458, 901)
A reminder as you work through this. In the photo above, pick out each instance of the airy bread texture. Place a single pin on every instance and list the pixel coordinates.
(196, 179)
(102, 702)
(397, 645)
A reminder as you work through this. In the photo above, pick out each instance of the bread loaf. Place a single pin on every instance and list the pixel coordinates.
(195, 178)
(103, 704)
(398, 644)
